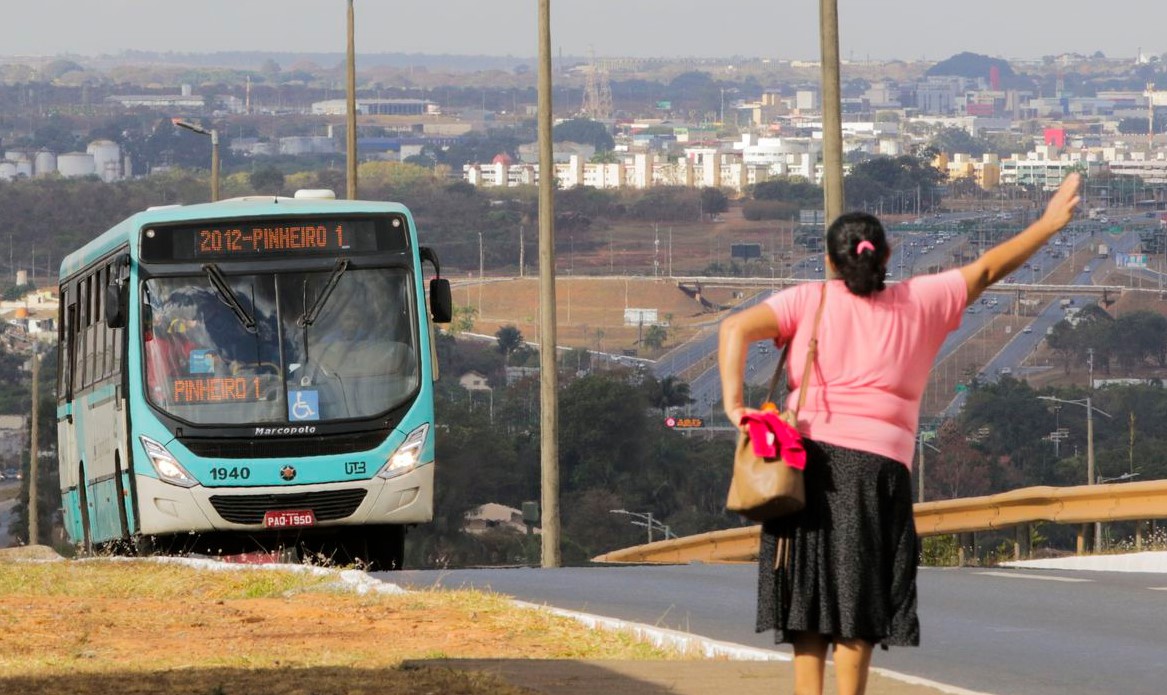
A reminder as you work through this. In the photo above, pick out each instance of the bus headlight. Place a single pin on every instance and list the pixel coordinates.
(167, 467)
(407, 456)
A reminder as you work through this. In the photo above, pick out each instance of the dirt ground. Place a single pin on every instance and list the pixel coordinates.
(98, 628)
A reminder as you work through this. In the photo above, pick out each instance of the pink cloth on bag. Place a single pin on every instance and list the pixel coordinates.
(771, 437)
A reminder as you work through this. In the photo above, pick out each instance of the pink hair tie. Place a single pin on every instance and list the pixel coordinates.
(864, 245)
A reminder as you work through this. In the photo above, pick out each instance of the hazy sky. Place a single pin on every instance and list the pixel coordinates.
(877, 29)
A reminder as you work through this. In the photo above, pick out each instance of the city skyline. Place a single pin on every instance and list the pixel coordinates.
(648, 28)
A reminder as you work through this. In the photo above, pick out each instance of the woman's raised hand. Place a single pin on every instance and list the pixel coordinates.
(1060, 209)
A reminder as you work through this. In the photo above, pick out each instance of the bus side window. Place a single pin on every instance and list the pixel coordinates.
(74, 322)
(81, 334)
(100, 370)
(65, 345)
(114, 344)
(97, 326)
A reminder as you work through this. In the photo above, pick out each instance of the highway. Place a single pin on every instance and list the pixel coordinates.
(990, 630)
(920, 248)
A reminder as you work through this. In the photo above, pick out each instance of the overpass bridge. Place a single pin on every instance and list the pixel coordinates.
(758, 283)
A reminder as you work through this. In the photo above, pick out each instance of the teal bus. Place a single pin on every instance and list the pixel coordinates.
(250, 375)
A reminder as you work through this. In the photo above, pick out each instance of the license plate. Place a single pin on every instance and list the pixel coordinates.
(289, 518)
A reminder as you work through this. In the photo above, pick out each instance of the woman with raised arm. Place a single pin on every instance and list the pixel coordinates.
(847, 575)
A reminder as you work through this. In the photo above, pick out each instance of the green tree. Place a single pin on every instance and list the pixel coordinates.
(510, 339)
(654, 337)
(584, 131)
(464, 318)
(713, 201)
(894, 184)
(666, 393)
(267, 179)
(954, 140)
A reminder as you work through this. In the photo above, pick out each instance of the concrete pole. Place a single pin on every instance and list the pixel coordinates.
(548, 374)
(214, 165)
(832, 113)
(351, 110)
(920, 476)
(34, 453)
(1090, 466)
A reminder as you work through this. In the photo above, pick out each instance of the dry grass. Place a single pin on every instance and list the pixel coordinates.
(127, 627)
(589, 311)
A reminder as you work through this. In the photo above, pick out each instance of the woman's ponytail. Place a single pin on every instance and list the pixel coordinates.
(857, 246)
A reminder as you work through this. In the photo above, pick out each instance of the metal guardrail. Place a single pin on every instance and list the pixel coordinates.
(1063, 505)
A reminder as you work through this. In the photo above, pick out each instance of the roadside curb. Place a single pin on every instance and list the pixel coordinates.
(711, 648)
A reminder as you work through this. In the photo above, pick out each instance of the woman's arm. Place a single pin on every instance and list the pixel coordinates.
(736, 333)
(1007, 256)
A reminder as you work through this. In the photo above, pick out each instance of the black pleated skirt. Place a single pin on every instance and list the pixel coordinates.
(849, 559)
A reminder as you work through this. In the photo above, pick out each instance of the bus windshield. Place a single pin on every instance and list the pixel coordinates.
(286, 348)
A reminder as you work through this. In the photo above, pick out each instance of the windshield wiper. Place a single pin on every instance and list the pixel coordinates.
(228, 296)
(310, 316)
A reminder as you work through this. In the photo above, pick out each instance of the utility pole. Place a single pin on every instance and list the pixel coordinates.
(1150, 117)
(351, 125)
(670, 252)
(34, 453)
(522, 250)
(920, 473)
(548, 374)
(832, 113)
(481, 261)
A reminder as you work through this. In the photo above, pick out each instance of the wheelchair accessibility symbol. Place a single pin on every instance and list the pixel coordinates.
(304, 406)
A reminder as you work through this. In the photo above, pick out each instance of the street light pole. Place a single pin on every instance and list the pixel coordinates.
(350, 135)
(920, 473)
(1090, 478)
(214, 135)
(548, 374)
(34, 451)
(647, 521)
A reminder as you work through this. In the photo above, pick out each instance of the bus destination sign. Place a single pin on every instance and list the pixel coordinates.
(214, 389)
(273, 238)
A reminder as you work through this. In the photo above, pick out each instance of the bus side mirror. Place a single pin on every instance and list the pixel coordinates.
(115, 306)
(441, 301)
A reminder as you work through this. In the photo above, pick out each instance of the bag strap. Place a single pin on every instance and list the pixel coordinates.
(811, 353)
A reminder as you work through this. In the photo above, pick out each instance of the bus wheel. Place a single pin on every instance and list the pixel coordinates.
(385, 547)
(83, 501)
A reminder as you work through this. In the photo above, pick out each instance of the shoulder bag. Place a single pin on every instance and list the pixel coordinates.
(768, 488)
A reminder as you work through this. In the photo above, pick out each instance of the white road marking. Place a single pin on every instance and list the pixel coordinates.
(1010, 575)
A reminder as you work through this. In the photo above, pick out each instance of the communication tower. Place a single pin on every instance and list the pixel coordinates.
(597, 104)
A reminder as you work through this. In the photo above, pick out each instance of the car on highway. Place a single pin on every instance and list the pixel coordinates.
(1027, 329)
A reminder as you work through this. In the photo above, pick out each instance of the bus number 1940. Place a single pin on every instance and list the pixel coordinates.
(235, 473)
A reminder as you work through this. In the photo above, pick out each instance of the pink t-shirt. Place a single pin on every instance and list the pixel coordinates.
(875, 354)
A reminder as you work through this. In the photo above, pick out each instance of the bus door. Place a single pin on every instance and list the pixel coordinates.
(67, 446)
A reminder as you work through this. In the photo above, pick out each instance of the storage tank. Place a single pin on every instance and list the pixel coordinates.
(107, 157)
(7, 170)
(45, 164)
(24, 168)
(74, 164)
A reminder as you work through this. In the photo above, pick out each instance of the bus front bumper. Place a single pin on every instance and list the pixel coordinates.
(165, 508)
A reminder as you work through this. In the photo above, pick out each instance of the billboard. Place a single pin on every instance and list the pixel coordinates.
(745, 251)
(640, 317)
